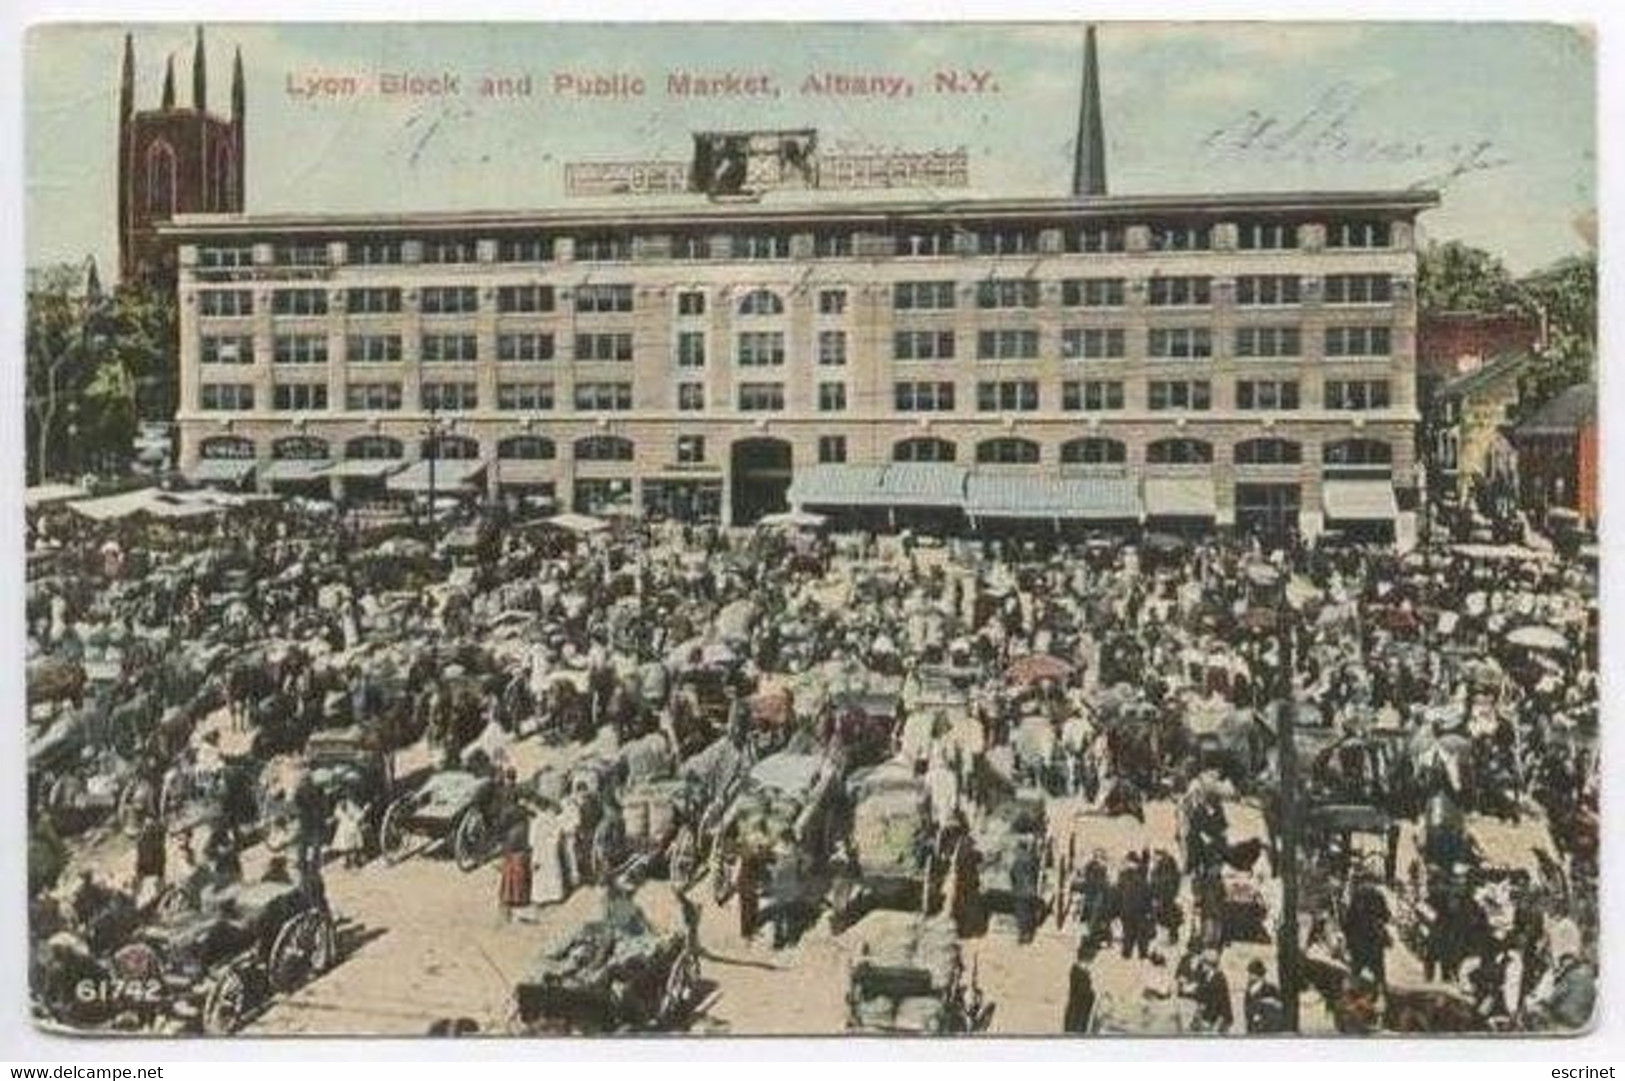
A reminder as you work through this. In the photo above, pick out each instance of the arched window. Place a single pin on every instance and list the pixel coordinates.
(1179, 452)
(449, 448)
(1094, 451)
(227, 446)
(300, 448)
(526, 448)
(161, 179)
(603, 448)
(761, 302)
(374, 447)
(1358, 452)
(924, 450)
(1268, 452)
(1007, 452)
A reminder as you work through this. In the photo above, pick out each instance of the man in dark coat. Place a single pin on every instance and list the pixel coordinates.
(1214, 1012)
(1134, 907)
(1080, 994)
(1365, 928)
(1024, 874)
(150, 853)
(310, 803)
(1095, 902)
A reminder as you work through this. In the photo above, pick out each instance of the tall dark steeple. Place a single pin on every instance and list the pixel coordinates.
(239, 124)
(168, 102)
(126, 110)
(239, 96)
(200, 77)
(1089, 160)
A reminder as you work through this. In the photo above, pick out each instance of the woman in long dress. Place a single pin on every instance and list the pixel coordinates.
(348, 842)
(515, 885)
(548, 885)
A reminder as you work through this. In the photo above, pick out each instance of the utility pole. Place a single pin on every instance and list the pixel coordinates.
(1286, 938)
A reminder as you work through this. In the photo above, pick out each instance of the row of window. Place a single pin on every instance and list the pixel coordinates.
(828, 243)
(1023, 396)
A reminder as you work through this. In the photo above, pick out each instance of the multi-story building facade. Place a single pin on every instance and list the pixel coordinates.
(1244, 359)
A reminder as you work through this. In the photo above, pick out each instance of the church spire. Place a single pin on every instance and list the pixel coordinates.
(126, 86)
(239, 96)
(1089, 160)
(169, 84)
(200, 78)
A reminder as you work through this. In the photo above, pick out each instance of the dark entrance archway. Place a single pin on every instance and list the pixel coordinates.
(760, 470)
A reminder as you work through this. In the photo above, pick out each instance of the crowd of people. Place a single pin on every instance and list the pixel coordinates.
(1434, 691)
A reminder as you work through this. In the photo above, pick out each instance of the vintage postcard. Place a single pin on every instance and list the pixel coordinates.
(852, 528)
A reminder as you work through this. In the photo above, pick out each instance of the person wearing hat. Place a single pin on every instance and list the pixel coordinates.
(1262, 1006)
(1211, 993)
(1134, 907)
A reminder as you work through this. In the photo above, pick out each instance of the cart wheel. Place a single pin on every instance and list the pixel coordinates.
(173, 902)
(136, 803)
(472, 841)
(392, 832)
(304, 947)
(681, 982)
(223, 1008)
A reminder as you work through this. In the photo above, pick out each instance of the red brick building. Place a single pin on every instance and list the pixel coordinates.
(1557, 456)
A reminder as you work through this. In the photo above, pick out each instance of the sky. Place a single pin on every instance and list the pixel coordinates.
(1499, 117)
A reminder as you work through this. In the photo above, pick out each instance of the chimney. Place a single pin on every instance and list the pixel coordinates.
(1089, 161)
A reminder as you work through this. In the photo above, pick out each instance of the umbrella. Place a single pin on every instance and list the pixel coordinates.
(1036, 668)
(1538, 637)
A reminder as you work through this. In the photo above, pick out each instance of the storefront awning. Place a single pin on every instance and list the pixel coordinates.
(923, 484)
(520, 471)
(296, 469)
(837, 486)
(1180, 497)
(366, 468)
(1359, 500)
(220, 470)
(449, 475)
(1070, 498)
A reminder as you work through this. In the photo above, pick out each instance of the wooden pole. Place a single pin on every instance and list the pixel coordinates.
(1286, 939)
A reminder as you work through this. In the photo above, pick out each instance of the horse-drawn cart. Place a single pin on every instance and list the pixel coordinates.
(891, 844)
(452, 807)
(909, 979)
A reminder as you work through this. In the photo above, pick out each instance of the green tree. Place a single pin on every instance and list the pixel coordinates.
(1457, 277)
(1564, 297)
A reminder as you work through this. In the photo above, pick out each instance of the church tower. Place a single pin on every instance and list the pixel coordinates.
(175, 159)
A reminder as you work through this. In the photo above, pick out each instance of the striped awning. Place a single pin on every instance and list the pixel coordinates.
(1071, 498)
(1359, 500)
(368, 468)
(1180, 497)
(837, 486)
(923, 484)
(220, 470)
(449, 475)
(295, 469)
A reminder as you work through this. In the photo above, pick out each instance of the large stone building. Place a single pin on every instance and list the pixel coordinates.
(1241, 360)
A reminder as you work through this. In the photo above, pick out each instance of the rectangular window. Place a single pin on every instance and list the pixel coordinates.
(603, 298)
(1269, 342)
(448, 300)
(1359, 341)
(1358, 289)
(1179, 343)
(1007, 241)
(1267, 394)
(1007, 345)
(373, 397)
(449, 348)
(690, 449)
(228, 349)
(524, 347)
(832, 397)
(923, 296)
(1359, 394)
(524, 397)
(603, 248)
(525, 298)
(691, 302)
(372, 301)
(449, 396)
(923, 345)
(300, 349)
(924, 397)
(1265, 289)
(690, 247)
(300, 254)
(1020, 293)
(1092, 292)
(1010, 396)
(832, 245)
(617, 347)
(376, 253)
(1174, 394)
(759, 246)
(604, 397)
(525, 249)
(831, 348)
(225, 258)
(447, 252)
(226, 397)
(832, 302)
(761, 397)
(1095, 239)
(299, 302)
(1181, 237)
(831, 449)
(924, 245)
(372, 348)
(286, 397)
(225, 302)
(1180, 292)
(1266, 236)
(1093, 343)
(691, 397)
(1091, 395)
(691, 349)
(1359, 234)
(760, 349)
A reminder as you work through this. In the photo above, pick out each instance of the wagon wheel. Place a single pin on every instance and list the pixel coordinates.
(926, 873)
(224, 1005)
(173, 902)
(392, 831)
(304, 947)
(681, 984)
(471, 842)
(136, 803)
